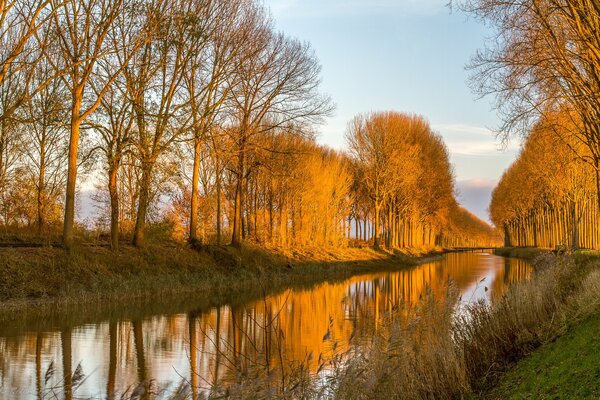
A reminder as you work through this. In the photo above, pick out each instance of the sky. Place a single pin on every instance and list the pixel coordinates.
(410, 56)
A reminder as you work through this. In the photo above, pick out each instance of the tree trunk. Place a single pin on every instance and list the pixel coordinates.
(69, 220)
(41, 186)
(140, 221)
(218, 183)
(598, 182)
(114, 208)
(376, 228)
(575, 233)
(270, 215)
(236, 237)
(194, 201)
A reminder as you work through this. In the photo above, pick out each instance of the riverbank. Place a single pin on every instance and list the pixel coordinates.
(524, 253)
(530, 253)
(47, 276)
(437, 353)
(567, 368)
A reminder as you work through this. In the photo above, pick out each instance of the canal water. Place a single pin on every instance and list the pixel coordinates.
(106, 351)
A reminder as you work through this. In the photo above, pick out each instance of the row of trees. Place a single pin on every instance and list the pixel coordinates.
(544, 59)
(136, 81)
(548, 198)
(200, 113)
(543, 67)
(404, 185)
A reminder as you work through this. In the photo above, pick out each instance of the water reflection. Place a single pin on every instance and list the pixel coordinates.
(204, 345)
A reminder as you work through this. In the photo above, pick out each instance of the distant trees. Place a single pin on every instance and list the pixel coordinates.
(376, 149)
(401, 166)
(548, 197)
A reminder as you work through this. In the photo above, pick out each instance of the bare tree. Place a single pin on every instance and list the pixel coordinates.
(44, 144)
(276, 82)
(20, 21)
(543, 59)
(114, 123)
(78, 36)
(155, 84)
(206, 75)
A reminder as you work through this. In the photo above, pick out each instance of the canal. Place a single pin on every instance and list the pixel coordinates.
(105, 351)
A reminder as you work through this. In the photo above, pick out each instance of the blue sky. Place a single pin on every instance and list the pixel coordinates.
(404, 55)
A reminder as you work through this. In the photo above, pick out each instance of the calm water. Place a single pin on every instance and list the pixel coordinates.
(115, 348)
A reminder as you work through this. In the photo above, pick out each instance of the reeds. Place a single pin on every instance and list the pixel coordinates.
(443, 348)
(442, 351)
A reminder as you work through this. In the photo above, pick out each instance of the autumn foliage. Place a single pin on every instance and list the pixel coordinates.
(405, 186)
(196, 120)
(548, 198)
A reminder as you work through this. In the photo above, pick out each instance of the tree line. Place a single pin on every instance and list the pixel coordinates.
(200, 114)
(404, 185)
(542, 65)
(548, 197)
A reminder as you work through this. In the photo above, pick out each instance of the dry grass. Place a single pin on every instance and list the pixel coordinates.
(46, 276)
(439, 352)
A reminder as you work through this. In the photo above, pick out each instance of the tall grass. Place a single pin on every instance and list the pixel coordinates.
(442, 351)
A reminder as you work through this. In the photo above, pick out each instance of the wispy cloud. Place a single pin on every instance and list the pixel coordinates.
(475, 195)
(463, 139)
(478, 183)
(464, 128)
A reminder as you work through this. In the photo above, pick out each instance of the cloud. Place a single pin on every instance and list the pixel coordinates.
(463, 139)
(475, 195)
(479, 183)
(464, 128)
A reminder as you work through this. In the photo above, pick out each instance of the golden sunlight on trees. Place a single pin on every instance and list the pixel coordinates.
(196, 120)
(548, 198)
(543, 59)
(405, 184)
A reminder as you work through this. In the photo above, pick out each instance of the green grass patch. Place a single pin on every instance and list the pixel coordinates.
(568, 368)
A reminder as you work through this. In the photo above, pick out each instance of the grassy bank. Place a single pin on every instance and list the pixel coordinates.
(530, 253)
(567, 368)
(42, 276)
(525, 253)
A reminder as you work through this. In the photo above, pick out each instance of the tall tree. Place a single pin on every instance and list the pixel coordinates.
(375, 149)
(224, 26)
(155, 82)
(44, 146)
(79, 31)
(276, 82)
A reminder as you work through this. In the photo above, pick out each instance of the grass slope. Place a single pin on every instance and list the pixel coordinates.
(49, 275)
(568, 368)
